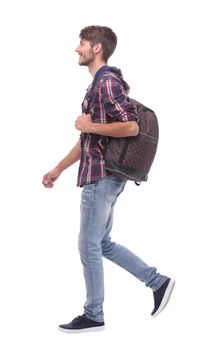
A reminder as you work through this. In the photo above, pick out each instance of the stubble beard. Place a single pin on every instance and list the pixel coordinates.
(87, 61)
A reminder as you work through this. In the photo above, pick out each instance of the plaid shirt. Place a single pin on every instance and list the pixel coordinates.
(108, 103)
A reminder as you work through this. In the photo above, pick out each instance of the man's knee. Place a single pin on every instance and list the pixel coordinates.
(107, 246)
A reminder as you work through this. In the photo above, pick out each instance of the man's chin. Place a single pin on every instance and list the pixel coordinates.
(82, 63)
(85, 62)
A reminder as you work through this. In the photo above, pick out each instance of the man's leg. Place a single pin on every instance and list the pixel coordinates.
(161, 285)
(95, 211)
(128, 260)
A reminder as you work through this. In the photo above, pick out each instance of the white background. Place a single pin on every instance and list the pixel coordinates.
(162, 52)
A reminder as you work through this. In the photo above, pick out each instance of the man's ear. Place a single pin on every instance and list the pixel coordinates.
(97, 48)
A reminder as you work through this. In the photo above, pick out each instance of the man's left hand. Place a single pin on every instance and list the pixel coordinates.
(83, 123)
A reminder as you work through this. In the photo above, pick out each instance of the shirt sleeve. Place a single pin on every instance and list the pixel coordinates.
(116, 102)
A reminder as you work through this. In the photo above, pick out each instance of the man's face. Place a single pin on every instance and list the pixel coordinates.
(85, 52)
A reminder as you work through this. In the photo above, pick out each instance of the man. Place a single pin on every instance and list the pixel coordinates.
(106, 111)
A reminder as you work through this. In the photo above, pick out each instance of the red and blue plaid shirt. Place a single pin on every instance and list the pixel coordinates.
(108, 103)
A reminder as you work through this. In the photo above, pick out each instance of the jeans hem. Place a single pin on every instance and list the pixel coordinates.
(94, 318)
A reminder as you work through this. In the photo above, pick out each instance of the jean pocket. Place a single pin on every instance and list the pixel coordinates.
(114, 186)
(88, 195)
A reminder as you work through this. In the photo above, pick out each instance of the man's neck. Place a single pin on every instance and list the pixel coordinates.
(95, 66)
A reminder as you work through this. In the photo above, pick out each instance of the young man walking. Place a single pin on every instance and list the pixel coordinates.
(106, 112)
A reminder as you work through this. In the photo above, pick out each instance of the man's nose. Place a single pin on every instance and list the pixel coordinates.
(77, 49)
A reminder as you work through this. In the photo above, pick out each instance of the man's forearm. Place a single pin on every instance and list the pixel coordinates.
(115, 129)
(71, 158)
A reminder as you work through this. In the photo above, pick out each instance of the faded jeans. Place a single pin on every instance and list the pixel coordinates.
(97, 207)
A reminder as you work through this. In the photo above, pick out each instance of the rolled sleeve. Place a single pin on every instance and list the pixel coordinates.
(116, 101)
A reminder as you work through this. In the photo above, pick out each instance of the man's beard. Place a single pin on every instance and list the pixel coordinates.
(88, 60)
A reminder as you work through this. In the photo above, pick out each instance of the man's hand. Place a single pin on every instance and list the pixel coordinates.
(49, 178)
(84, 123)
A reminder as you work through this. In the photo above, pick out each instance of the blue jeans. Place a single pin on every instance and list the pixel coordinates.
(97, 207)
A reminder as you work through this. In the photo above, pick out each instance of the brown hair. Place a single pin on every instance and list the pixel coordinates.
(103, 35)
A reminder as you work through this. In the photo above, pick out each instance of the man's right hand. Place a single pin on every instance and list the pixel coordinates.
(50, 177)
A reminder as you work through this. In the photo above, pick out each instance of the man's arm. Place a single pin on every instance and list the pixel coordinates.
(72, 157)
(116, 129)
(117, 106)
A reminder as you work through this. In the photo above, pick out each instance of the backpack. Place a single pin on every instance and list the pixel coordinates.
(131, 157)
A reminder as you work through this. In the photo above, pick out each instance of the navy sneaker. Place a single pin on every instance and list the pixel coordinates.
(162, 296)
(82, 324)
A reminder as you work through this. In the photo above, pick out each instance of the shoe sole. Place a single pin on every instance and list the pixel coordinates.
(166, 297)
(84, 330)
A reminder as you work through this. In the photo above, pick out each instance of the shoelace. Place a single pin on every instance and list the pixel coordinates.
(78, 320)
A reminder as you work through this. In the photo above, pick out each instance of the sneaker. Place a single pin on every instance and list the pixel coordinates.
(82, 324)
(162, 296)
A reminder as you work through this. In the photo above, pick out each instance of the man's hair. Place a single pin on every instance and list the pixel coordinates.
(103, 35)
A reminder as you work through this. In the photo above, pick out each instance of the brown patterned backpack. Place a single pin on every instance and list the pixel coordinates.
(132, 157)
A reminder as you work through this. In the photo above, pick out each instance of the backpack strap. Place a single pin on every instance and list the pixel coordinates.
(97, 78)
